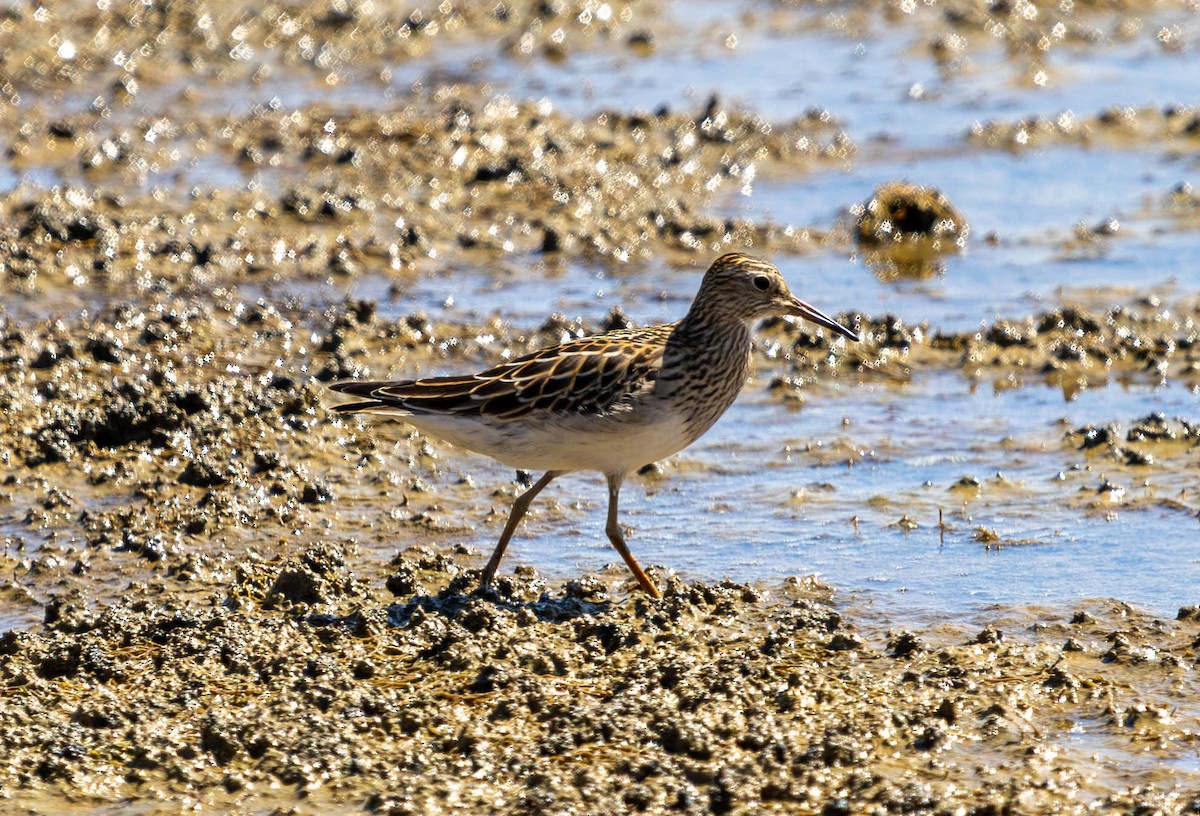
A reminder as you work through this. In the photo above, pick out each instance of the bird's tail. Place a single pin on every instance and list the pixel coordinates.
(366, 406)
(364, 388)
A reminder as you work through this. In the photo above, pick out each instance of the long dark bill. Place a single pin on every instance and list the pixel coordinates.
(815, 315)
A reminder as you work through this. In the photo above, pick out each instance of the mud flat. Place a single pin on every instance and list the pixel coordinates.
(214, 594)
(212, 601)
(296, 688)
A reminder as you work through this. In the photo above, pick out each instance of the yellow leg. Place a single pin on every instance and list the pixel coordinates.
(618, 538)
(519, 508)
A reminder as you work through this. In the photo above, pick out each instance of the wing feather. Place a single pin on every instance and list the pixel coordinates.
(592, 375)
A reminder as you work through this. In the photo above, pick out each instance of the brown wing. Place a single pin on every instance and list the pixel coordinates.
(592, 375)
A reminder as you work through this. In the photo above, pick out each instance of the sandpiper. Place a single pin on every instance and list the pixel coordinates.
(611, 402)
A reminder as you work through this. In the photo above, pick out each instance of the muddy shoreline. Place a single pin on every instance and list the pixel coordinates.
(217, 593)
(214, 600)
(297, 686)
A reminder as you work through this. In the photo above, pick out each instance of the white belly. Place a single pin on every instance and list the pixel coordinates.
(609, 444)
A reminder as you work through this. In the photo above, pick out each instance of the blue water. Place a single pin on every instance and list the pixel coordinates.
(752, 501)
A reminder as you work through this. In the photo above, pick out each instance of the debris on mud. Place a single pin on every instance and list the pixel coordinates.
(905, 229)
(293, 684)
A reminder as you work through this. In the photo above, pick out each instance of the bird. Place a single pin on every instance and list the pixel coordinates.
(612, 402)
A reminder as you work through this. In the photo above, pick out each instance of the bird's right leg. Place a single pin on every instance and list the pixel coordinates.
(519, 508)
(617, 537)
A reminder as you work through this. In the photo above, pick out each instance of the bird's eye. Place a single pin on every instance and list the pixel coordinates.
(762, 283)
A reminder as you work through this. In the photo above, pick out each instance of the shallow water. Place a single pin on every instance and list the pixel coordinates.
(770, 493)
(877, 76)
(1011, 279)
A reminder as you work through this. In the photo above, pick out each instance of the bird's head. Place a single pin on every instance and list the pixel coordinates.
(741, 287)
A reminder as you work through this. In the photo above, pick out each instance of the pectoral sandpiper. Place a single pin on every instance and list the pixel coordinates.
(611, 402)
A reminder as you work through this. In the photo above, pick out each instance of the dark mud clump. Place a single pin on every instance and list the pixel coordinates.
(899, 212)
(905, 229)
(290, 685)
(1145, 436)
(1117, 126)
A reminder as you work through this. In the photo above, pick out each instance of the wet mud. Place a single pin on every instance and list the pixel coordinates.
(216, 592)
(295, 681)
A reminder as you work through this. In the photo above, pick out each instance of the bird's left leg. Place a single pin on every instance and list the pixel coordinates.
(519, 508)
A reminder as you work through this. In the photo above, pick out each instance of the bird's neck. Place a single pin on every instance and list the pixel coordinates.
(729, 330)
(705, 364)
(710, 343)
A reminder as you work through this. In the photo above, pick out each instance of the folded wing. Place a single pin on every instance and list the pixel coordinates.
(592, 375)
